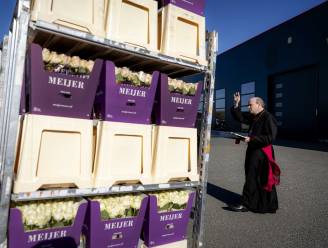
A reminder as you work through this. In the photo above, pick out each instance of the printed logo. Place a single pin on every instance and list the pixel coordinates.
(181, 100)
(69, 83)
(132, 92)
(118, 224)
(46, 236)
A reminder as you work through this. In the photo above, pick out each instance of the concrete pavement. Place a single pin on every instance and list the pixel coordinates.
(301, 221)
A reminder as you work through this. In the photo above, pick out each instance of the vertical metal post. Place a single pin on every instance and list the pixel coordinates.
(4, 57)
(6, 86)
(0, 58)
(204, 141)
(16, 60)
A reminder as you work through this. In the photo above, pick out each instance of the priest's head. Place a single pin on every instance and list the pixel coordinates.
(256, 105)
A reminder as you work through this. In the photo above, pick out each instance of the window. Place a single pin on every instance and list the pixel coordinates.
(220, 100)
(219, 108)
(247, 92)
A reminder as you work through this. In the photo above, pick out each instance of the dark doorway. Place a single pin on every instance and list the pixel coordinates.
(292, 100)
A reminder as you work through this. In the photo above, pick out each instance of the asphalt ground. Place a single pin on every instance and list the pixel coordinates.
(302, 218)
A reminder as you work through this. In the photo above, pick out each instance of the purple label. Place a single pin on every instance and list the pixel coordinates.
(195, 6)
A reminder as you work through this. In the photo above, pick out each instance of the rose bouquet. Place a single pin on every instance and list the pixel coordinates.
(65, 64)
(171, 200)
(46, 214)
(119, 206)
(124, 75)
(181, 87)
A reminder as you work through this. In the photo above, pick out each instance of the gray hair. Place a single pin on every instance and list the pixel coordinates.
(259, 101)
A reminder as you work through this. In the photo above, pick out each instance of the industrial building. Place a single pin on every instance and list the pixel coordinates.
(288, 67)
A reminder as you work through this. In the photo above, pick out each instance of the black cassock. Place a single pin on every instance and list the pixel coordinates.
(262, 130)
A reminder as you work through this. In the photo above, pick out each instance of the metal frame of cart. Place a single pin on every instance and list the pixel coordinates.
(12, 55)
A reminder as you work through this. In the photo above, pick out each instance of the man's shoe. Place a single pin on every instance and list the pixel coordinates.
(238, 208)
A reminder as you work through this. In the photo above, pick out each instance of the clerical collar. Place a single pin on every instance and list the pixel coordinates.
(260, 113)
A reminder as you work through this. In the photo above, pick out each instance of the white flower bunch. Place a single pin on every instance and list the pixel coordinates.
(124, 75)
(119, 206)
(179, 86)
(66, 64)
(171, 200)
(46, 214)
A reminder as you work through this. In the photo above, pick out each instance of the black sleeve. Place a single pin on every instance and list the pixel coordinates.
(245, 118)
(268, 135)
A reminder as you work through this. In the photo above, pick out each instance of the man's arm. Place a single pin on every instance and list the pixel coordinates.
(245, 118)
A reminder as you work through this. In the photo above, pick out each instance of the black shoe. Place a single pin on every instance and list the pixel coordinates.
(238, 208)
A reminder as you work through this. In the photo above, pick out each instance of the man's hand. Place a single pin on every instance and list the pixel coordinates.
(248, 139)
(236, 99)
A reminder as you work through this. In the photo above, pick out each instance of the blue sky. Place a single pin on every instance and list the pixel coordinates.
(235, 20)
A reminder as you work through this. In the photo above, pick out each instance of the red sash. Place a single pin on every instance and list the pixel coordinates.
(273, 170)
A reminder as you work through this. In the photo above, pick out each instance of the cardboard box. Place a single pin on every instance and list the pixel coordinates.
(165, 228)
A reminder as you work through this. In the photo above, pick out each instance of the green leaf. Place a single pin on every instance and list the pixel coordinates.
(105, 215)
(167, 207)
(171, 88)
(192, 91)
(129, 212)
(82, 70)
(119, 78)
(136, 81)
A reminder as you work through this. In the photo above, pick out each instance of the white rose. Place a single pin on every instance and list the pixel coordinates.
(114, 212)
(125, 201)
(186, 88)
(148, 79)
(83, 63)
(163, 199)
(55, 59)
(125, 72)
(102, 206)
(142, 76)
(46, 55)
(75, 62)
(132, 75)
(117, 70)
(76, 206)
(136, 203)
(179, 84)
(90, 65)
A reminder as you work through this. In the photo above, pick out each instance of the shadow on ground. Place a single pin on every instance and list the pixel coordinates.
(223, 195)
(293, 143)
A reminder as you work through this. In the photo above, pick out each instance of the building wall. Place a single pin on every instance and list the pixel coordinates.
(292, 46)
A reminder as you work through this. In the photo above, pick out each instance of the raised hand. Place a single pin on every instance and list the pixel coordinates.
(236, 99)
